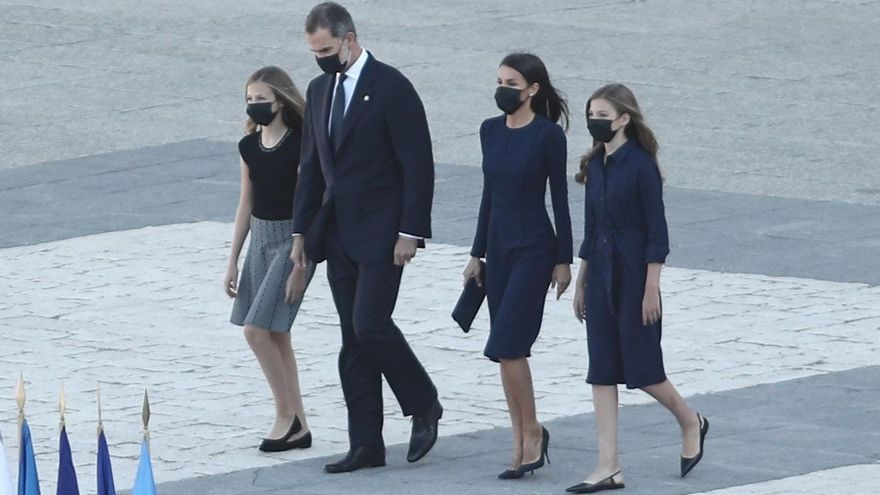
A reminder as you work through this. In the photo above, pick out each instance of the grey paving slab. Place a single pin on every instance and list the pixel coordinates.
(772, 98)
(198, 180)
(757, 433)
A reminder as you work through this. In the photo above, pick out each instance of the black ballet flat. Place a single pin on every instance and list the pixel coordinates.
(688, 463)
(605, 484)
(510, 474)
(284, 443)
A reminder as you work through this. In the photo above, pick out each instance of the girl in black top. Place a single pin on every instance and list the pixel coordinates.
(264, 297)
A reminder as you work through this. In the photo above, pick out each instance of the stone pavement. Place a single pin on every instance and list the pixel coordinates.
(143, 309)
(119, 177)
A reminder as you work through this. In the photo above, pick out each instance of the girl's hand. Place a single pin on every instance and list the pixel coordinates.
(561, 279)
(580, 291)
(295, 288)
(472, 270)
(230, 281)
(651, 311)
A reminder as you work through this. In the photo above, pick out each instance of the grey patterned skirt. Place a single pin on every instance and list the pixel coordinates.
(260, 299)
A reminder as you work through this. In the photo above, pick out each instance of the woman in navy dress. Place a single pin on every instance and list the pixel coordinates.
(618, 285)
(524, 254)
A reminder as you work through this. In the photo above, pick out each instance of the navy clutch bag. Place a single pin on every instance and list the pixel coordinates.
(469, 302)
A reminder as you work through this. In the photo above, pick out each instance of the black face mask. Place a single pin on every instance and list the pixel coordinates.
(331, 64)
(261, 113)
(600, 129)
(507, 99)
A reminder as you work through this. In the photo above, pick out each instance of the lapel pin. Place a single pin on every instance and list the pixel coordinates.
(366, 97)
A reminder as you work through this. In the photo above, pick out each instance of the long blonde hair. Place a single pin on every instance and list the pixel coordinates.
(292, 102)
(624, 101)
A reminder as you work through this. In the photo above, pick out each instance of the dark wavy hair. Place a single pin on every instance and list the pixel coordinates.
(548, 102)
(624, 101)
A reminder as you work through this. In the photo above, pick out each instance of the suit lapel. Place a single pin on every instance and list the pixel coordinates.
(360, 100)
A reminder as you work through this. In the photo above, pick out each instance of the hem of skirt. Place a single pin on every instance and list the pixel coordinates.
(497, 358)
(630, 386)
(239, 323)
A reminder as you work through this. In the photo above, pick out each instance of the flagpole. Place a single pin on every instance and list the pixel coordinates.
(20, 398)
(100, 420)
(62, 406)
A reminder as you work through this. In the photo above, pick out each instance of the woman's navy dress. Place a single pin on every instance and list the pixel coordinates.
(514, 231)
(625, 229)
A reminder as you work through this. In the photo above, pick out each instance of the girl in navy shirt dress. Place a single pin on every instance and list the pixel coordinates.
(617, 290)
(523, 150)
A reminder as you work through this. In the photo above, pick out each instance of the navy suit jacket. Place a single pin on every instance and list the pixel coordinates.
(379, 182)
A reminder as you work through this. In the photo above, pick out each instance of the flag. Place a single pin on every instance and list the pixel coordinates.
(5, 478)
(28, 481)
(67, 484)
(143, 481)
(105, 470)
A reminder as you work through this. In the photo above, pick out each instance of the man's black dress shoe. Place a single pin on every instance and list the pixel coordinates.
(358, 458)
(688, 463)
(424, 432)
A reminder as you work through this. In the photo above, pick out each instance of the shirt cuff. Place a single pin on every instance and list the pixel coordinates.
(403, 234)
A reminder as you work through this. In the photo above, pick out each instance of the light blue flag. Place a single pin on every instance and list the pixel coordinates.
(143, 482)
(28, 481)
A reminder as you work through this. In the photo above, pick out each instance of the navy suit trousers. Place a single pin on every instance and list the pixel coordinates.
(372, 345)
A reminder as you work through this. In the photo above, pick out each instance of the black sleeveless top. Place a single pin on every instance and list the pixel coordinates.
(273, 174)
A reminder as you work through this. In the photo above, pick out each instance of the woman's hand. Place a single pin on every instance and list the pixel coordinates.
(473, 270)
(295, 288)
(651, 311)
(561, 279)
(230, 281)
(580, 292)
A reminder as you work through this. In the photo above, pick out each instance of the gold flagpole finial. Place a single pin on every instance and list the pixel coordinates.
(100, 419)
(146, 417)
(20, 396)
(62, 404)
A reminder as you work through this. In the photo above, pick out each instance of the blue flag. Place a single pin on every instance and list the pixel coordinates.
(105, 470)
(67, 484)
(28, 481)
(143, 481)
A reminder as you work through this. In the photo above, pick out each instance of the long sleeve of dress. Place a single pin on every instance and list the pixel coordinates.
(589, 226)
(650, 187)
(557, 153)
(481, 236)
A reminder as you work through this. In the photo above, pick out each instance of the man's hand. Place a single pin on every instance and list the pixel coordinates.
(295, 287)
(298, 253)
(404, 250)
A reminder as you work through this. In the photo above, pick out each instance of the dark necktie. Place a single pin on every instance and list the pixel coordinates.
(337, 114)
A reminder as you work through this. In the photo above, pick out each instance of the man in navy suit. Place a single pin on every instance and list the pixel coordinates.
(363, 202)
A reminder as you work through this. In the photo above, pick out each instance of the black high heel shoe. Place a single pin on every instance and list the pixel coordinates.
(284, 443)
(688, 463)
(510, 474)
(545, 442)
